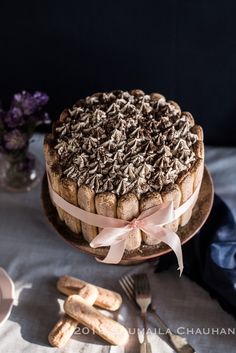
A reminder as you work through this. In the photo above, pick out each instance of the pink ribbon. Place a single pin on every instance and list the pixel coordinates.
(116, 230)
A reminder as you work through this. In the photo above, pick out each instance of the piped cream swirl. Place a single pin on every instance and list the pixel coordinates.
(125, 141)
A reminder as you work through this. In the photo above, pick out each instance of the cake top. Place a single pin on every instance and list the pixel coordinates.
(125, 141)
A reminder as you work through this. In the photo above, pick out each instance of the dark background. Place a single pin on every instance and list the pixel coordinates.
(184, 49)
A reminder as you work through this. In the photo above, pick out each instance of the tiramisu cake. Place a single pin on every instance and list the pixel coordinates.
(120, 153)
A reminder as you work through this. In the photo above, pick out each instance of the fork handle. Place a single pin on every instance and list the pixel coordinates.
(145, 347)
(153, 311)
(170, 334)
(148, 347)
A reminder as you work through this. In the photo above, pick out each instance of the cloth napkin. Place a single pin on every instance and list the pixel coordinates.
(210, 256)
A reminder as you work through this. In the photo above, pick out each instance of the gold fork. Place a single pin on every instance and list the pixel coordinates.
(177, 342)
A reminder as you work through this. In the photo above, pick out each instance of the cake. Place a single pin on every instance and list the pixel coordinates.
(120, 153)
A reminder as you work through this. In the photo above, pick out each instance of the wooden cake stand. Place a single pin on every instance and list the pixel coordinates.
(200, 214)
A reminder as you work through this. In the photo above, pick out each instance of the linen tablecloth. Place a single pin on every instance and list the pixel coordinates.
(35, 256)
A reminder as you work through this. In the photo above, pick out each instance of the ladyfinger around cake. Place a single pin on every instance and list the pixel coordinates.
(119, 153)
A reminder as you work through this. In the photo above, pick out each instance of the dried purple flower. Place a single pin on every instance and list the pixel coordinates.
(30, 104)
(41, 98)
(26, 102)
(15, 140)
(14, 117)
(18, 124)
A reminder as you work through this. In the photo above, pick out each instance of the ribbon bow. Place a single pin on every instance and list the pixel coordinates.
(151, 222)
(115, 231)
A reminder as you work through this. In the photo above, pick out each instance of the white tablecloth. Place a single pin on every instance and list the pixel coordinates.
(34, 256)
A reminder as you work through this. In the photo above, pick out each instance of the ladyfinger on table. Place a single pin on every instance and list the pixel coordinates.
(110, 330)
(86, 201)
(127, 209)
(62, 331)
(172, 194)
(68, 191)
(186, 187)
(147, 201)
(65, 327)
(106, 298)
(105, 204)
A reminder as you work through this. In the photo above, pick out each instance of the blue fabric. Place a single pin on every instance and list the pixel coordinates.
(210, 257)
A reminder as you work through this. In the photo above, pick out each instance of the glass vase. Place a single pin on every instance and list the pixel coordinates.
(19, 172)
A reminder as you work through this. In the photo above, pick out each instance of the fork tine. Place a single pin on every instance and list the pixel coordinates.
(131, 280)
(125, 290)
(142, 286)
(129, 286)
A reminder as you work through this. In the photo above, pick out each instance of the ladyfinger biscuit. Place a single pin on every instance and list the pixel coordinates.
(127, 209)
(197, 129)
(64, 114)
(197, 171)
(54, 175)
(106, 298)
(86, 198)
(89, 293)
(147, 201)
(47, 148)
(65, 327)
(137, 92)
(186, 186)
(190, 118)
(105, 204)
(159, 98)
(198, 149)
(110, 330)
(62, 331)
(68, 190)
(53, 169)
(176, 106)
(172, 194)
